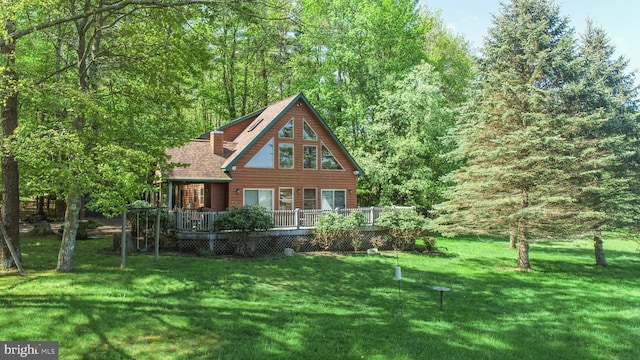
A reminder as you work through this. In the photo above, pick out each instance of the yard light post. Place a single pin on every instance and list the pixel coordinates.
(442, 291)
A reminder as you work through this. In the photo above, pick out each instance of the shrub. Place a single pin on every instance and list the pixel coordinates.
(404, 227)
(242, 222)
(333, 227)
(378, 241)
(430, 244)
(298, 243)
(85, 228)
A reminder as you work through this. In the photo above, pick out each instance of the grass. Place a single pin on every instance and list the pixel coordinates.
(330, 306)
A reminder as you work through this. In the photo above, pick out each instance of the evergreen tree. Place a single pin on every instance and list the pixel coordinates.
(607, 187)
(513, 137)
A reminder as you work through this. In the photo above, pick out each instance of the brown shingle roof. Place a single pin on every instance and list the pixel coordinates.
(256, 128)
(203, 165)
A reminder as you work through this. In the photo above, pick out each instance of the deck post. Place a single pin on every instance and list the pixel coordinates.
(297, 218)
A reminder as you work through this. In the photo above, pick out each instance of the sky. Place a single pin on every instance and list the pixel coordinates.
(472, 18)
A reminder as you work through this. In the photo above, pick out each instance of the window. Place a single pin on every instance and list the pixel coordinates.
(307, 131)
(286, 199)
(287, 130)
(262, 197)
(202, 196)
(264, 157)
(329, 162)
(309, 201)
(332, 199)
(195, 196)
(285, 156)
(310, 153)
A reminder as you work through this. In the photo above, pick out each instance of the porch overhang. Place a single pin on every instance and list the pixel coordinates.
(197, 180)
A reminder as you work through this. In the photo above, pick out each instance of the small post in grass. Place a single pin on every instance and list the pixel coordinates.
(442, 290)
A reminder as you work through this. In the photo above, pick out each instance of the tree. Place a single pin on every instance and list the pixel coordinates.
(348, 52)
(607, 182)
(118, 103)
(514, 139)
(403, 159)
(248, 65)
(10, 215)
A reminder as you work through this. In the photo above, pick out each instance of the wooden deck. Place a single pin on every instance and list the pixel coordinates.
(204, 221)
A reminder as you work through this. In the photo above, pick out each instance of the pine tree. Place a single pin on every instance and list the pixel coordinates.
(606, 180)
(514, 135)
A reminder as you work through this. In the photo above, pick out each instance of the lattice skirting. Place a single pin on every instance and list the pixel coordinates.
(275, 243)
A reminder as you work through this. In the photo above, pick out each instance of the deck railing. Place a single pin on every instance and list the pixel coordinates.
(203, 221)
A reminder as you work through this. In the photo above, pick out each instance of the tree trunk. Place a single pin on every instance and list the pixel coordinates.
(599, 248)
(10, 179)
(512, 238)
(523, 247)
(71, 221)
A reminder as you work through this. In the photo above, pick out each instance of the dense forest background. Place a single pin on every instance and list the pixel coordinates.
(535, 131)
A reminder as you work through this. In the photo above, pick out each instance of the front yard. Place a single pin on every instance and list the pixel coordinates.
(337, 306)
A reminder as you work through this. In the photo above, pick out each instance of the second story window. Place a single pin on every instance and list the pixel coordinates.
(329, 162)
(287, 131)
(307, 131)
(285, 156)
(310, 161)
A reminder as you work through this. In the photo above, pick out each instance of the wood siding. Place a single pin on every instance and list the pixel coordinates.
(218, 196)
(296, 178)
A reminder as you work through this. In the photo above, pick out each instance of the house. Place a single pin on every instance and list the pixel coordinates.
(281, 157)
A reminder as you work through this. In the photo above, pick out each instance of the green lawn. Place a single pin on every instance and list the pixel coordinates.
(330, 307)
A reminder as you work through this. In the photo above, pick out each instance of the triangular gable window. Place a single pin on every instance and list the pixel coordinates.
(329, 161)
(307, 131)
(264, 157)
(287, 130)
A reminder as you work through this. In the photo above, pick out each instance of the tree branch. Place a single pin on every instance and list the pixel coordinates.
(15, 35)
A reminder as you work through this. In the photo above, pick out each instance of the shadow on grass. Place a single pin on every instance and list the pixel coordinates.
(319, 307)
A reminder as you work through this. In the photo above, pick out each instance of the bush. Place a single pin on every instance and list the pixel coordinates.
(85, 227)
(404, 227)
(242, 222)
(333, 227)
(430, 244)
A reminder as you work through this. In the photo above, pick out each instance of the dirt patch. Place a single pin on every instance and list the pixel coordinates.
(109, 226)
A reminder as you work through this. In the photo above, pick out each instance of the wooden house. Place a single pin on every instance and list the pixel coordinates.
(282, 157)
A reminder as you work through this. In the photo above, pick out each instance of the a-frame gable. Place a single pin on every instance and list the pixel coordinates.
(265, 120)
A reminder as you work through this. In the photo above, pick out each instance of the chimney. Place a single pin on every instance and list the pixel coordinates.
(215, 139)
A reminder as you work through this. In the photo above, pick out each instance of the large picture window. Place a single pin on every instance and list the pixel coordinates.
(329, 161)
(264, 157)
(309, 201)
(262, 197)
(310, 160)
(334, 199)
(285, 156)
